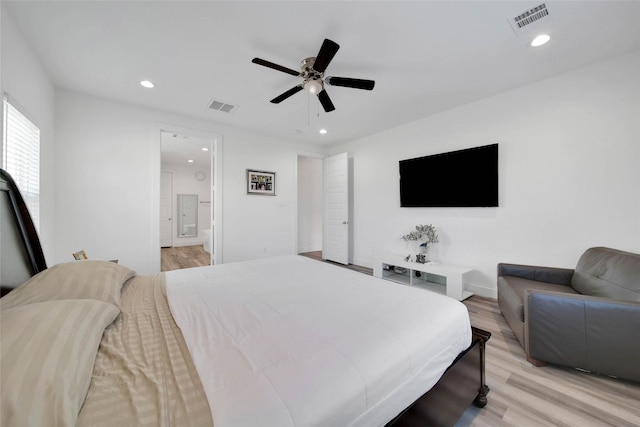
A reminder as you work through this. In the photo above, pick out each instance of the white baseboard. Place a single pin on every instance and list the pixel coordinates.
(482, 291)
(362, 263)
(188, 243)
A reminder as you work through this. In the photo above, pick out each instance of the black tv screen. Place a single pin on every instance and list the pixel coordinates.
(464, 178)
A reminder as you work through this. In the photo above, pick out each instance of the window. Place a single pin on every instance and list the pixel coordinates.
(21, 156)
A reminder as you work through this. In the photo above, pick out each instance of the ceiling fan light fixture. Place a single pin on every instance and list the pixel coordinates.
(313, 86)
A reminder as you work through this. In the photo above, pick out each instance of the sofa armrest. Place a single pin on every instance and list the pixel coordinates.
(591, 333)
(558, 276)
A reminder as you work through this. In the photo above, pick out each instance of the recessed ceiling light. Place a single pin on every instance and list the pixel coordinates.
(540, 40)
(147, 84)
(323, 131)
(190, 161)
(205, 149)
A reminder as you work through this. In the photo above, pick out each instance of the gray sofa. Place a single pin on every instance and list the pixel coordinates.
(586, 318)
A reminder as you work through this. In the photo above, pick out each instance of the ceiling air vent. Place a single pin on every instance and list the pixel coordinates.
(218, 105)
(529, 17)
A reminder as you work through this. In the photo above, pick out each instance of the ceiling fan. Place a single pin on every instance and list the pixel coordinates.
(312, 71)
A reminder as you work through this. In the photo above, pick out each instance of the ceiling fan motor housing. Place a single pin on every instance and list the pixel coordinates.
(312, 79)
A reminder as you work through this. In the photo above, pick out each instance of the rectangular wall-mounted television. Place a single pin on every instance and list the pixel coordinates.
(464, 178)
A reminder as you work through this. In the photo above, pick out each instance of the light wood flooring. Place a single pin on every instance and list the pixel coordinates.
(179, 257)
(522, 395)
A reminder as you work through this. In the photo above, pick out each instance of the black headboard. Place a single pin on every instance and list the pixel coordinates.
(21, 255)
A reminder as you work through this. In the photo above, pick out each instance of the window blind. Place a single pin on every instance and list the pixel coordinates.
(21, 156)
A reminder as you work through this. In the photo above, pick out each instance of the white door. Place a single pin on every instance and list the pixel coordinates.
(166, 209)
(335, 245)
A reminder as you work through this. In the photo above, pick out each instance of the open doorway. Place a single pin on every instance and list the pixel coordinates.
(310, 204)
(189, 198)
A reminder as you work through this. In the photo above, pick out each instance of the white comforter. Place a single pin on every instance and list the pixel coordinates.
(289, 341)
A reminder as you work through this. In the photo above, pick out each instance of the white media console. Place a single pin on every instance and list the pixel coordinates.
(445, 279)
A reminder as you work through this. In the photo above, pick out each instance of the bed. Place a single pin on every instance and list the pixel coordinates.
(282, 341)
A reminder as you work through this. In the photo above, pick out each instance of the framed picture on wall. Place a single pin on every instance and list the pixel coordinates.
(260, 182)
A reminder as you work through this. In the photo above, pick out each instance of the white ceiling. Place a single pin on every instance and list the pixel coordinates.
(425, 56)
(180, 149)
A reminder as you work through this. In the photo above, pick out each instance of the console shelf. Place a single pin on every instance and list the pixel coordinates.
(445, 279)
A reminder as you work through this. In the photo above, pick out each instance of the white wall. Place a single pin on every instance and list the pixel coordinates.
(569, 174)
(108, 157)
(257, 225)
(29, 88)
(185, 182)
(309, 204)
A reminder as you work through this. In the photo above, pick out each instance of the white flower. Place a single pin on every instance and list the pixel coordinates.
(426, 233)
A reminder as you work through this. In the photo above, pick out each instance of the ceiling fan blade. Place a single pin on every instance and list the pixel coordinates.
(278, 99)
(349, 82)
(325, 55)
(323, 96)
(275, 66)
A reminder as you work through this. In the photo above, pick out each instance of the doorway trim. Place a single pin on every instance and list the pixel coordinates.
(166, 177)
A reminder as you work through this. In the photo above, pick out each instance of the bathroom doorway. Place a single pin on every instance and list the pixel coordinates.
(190, 173)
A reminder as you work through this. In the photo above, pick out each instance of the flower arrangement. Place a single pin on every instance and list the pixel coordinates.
(426, 234)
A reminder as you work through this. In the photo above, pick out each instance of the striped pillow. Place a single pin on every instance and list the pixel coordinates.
(88, 279)
(48, 350)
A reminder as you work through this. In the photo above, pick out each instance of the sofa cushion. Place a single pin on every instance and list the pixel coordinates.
(511, 290)
(608, 273)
